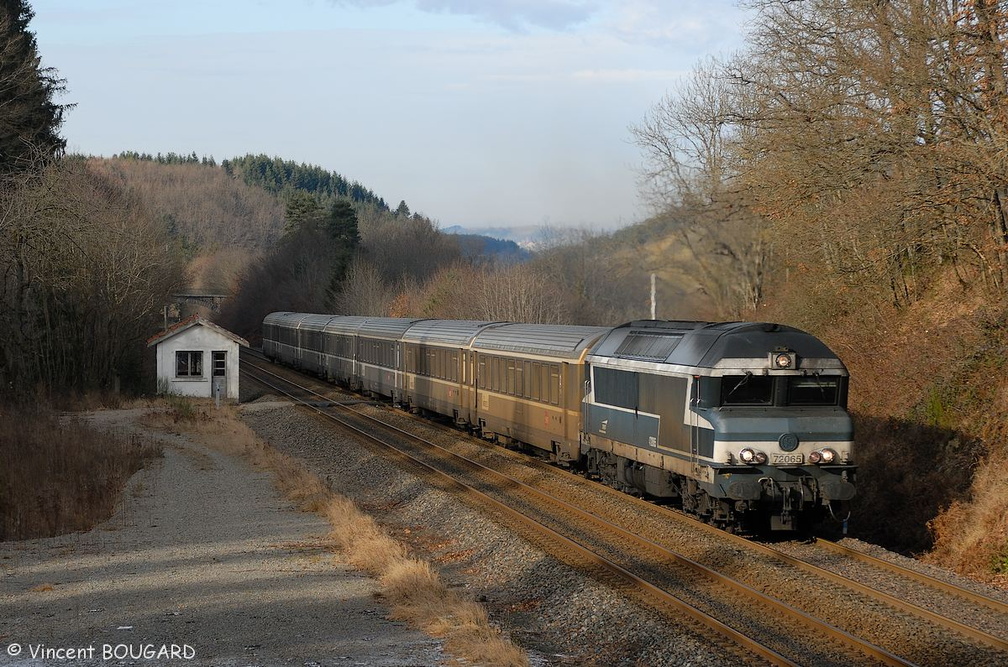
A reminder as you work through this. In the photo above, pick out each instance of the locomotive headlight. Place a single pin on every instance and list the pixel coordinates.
(750, 456)
(823, 456)
(782, 361)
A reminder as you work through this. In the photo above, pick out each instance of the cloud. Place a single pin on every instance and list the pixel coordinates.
(682, 25)
(512, 15)
(518, 15)
(685, 24)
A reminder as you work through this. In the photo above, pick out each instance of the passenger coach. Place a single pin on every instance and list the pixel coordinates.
(530, 382)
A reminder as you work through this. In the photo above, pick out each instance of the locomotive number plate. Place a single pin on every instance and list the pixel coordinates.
(787, 458)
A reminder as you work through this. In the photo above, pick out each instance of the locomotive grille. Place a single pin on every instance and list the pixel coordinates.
(647, 346)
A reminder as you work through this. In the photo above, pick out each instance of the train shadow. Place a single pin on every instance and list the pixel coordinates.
(908, 473)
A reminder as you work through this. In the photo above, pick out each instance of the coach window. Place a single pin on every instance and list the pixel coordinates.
(189, 364)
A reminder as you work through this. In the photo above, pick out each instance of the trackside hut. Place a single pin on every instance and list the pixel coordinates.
(197, 358)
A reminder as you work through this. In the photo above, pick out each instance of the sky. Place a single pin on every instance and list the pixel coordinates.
(477, 113)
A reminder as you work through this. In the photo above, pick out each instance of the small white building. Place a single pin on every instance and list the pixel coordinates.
(197, 358)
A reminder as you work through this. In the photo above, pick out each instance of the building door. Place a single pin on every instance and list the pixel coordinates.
(219, 379)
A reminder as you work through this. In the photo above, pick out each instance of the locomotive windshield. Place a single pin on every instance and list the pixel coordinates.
(813, 390)
(747, 389)
(752, 389)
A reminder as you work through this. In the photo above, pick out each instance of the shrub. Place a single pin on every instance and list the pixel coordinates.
(61, 475)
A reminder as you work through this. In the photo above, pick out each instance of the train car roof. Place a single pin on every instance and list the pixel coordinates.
(386, 327)
(564, 342)
(444, 332)
(314, 322)
(289, 319)
(705, 344)
(344, 324)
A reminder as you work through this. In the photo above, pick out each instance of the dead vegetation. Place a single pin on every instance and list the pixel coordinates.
(60, 475)
(412, 588)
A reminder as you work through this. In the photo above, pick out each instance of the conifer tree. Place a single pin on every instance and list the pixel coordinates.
(29, 118)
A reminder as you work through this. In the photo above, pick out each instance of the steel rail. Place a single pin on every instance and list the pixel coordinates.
(805, 619)
(587, 557)
(969, 631)
(926, 579)
(953, 625)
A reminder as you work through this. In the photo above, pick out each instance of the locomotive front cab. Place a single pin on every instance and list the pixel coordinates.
(781, 440)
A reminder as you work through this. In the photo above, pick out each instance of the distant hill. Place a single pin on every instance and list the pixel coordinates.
(279, 176)
(478, 245)
(524, 236)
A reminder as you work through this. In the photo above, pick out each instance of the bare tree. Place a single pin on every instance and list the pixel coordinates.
(84, 280)
(365, 291)
(519, 293)
(871, 135)
(691, 179)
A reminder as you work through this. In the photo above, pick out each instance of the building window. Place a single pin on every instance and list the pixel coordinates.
(189, 364)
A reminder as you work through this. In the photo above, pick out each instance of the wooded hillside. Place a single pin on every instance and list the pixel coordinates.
(846, 172)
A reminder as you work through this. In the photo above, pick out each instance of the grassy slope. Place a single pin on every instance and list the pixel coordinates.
(928, 394)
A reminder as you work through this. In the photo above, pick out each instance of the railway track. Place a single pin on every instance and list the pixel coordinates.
(658, 573)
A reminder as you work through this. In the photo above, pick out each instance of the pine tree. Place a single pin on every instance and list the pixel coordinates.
(341, 227)
(29, 119)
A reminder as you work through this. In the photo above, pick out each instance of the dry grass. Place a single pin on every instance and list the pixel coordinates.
(411, 587)
(61, 475)
(972, 536)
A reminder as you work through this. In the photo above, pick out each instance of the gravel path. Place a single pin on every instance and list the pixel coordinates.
(201, 559)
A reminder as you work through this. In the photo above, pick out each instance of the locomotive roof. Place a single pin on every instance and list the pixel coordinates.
(445, 332)
(566, 342)
(704, 344)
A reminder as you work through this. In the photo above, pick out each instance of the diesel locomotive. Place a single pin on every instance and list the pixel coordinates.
(743, 423)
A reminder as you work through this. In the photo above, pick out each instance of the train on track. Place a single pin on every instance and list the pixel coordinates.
(743, 423)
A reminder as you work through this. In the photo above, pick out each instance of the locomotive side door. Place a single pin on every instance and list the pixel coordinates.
(694, 428)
